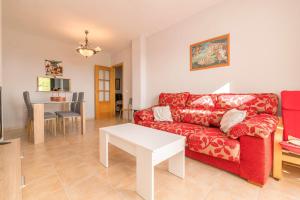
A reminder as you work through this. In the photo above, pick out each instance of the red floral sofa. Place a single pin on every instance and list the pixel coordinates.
(246, 150)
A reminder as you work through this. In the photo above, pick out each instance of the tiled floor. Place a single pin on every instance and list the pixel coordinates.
(68, 168)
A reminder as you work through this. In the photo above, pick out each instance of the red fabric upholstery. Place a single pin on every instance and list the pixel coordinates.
(208, 144)
(261, 125)
(291, 113)
(196, 116)
(201, 101)
(256, 158)
(183, 129)
(213, 142)
(173, 99)
(290, 147)
(261, 103)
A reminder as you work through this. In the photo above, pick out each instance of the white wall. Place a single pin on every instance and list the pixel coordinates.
(124, 57)
(23, 61)
(139, 72)
(264, 49)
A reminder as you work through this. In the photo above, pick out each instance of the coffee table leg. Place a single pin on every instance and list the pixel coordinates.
(103, 148)
(177, 164)
(144, 173)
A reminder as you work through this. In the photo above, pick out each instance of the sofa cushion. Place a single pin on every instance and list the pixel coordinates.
(173, 99)
(213, 142)
(217, 115)
(261, 103)
(261, 125)
(162, 113)
(183, 129)
(196, 116)
(201, 101)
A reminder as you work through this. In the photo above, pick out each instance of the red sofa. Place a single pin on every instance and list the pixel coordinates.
(246, 150)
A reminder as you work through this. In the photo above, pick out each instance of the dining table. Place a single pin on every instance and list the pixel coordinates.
(38, 118)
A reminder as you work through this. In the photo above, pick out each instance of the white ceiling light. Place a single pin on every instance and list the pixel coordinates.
(84, 49)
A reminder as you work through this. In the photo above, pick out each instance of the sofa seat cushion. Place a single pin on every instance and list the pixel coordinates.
(261, 125)
(183, 129)
(213, 142)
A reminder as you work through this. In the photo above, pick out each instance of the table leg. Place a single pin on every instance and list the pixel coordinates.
(38, 123)
(177, 164)
(82, 117)
(103, 149)
(144, 173)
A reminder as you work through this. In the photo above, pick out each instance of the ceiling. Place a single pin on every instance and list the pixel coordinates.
(112, 23)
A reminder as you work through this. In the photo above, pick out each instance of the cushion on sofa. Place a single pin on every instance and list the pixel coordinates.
(201, 101)
(162, 114)
(261, 125)
(261, 103)
(231, 118)
(173, 99)
(213, 142)
(196, 116)
(217, 115)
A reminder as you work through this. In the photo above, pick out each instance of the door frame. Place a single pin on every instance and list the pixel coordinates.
(112, 90)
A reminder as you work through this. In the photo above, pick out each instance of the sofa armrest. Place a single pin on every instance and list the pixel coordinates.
(262, 125)
(277, 151)
(143, 115)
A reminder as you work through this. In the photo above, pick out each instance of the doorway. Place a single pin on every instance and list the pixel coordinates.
(119, 103)
(104, 91)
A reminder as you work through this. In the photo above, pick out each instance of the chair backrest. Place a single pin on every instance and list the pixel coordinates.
(80, 99)
(28, 104)
(291, 113)
(74, 101)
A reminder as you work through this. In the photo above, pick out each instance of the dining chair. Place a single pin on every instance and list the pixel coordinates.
(48, 116)
(287, 142)
(74, 113)
(128, 110)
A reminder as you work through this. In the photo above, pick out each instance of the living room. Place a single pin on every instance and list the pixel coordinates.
(176, 93)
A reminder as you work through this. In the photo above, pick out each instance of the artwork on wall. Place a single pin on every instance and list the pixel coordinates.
(53, 68)
(118, 84)
(214, 52)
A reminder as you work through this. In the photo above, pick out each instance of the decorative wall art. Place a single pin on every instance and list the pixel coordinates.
(53, 68)
(214, 52)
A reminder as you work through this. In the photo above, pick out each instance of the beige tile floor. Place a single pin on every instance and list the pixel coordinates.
(67, 168)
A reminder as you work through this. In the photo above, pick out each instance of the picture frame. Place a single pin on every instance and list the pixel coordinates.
(117, 84)
(211, 53)
(53, 68)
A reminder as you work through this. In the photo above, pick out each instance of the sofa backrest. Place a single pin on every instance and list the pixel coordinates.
(258, 102)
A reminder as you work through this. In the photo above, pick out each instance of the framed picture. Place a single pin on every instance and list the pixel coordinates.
(118, 84)
(53, 68)
(214, 52)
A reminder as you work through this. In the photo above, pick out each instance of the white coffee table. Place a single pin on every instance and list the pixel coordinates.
(150, 147)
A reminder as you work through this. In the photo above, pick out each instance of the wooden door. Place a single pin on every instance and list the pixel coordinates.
(104, 92)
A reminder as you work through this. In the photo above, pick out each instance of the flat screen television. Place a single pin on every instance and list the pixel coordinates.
(49, 84)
